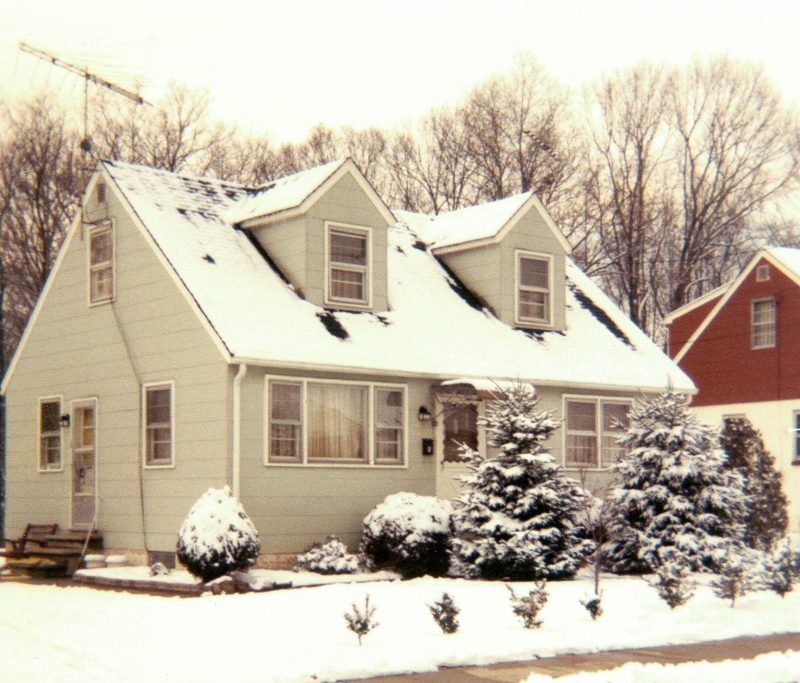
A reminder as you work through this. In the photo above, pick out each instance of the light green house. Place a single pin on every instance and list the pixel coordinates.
(302, 344)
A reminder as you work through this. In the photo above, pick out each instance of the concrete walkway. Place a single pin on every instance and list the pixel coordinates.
(736, 648)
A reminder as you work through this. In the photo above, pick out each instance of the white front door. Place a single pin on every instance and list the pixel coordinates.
(84, 439)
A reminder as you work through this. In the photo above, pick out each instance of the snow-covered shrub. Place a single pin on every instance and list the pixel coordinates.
(331, 557)
(217, 536)
(673, 491)
(528, 606)
(445, 613)
(733, 579)
(519, 515)
(593, 605)
(778, 575)
(672, 580)
(767, 519)
(409, 533)
(361, 621)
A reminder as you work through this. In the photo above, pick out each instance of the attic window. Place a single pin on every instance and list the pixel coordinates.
(534, 291)
(348, 265)
(101, 193)
(762, 273)
(101, 264)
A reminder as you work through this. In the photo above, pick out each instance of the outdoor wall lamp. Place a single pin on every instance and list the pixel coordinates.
(424, 414)
(64, 421)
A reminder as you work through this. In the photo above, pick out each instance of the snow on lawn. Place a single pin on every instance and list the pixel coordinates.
(81, 634)
(773, 666)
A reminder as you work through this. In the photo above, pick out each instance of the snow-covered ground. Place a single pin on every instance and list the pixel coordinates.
(81, 634)
(772, 666)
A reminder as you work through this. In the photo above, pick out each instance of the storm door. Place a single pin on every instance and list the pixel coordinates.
(84, 452)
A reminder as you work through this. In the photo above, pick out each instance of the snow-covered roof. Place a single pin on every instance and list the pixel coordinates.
(432, 328)
(283, 193)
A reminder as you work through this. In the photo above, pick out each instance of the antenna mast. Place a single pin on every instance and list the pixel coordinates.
(88, 76)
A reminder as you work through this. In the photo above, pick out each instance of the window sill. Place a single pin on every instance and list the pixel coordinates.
(102, 302)
(338, 466)
(170, 466)
(50, 470)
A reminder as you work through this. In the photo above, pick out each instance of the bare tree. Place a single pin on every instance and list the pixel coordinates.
(626, 182)
(736, 150)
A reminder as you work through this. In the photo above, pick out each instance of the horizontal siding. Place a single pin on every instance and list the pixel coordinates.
(293, 507)
(80, 351)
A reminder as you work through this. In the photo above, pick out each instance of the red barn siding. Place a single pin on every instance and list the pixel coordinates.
(721, 362)
(681, 329)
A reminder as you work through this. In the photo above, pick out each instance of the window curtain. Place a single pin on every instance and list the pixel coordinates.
(337, 422)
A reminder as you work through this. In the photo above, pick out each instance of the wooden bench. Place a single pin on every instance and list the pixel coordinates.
(38, 549)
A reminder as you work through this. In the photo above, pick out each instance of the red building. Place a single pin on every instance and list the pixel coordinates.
(741, 345)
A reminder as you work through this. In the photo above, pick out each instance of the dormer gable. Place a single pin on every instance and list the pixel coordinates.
(326, 230)
(509, 253)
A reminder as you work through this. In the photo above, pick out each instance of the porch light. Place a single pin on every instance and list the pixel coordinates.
(424, 414)
(64, 421)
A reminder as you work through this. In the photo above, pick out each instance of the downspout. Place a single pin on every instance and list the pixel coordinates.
(236, 450)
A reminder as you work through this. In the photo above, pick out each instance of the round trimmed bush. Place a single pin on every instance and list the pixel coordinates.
(410, 534)
(331, 557)
(217, 537)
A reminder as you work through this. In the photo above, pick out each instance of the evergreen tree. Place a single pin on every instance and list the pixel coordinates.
(673, 491)
(767, 518)
(778, 574)
(518, 517)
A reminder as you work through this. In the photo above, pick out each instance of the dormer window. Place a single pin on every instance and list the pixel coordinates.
(534, 289)
(101, 264)
(348, 264)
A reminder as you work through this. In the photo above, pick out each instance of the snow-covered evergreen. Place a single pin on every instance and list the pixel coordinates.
(217, 536)
(778, 575)
(673, 491)
(519, 515)
(767, 518)
(445, 613)
(672, 581)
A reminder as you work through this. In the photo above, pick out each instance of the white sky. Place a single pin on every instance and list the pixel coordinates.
(280, 67)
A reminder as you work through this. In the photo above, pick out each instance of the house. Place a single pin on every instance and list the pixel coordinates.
(302, 344)
(740, 344)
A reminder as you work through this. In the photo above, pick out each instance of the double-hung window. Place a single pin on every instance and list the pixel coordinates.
(348, 265)
(49, 434)
(533, 288)
(328, 423)
(158, 425)
(796, 440)
(101, 264)
(762, 324)
(593, 429)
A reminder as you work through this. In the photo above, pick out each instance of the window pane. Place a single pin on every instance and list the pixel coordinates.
(348, 248)
(50, 415)
(533, 273)
(581, 416)
(532, 305)
(388, 444)
(763, 323)
(285, 441)
(389, 408)
(581, 450)
(102, 283)
(347, 284)
(100, 247)
(615, 417)
(158, 406)
(285, 400)
(337, 422)
(460, 427)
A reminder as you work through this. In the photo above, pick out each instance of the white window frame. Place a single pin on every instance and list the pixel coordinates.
(105, 226)
(371, 461)
(599, 401)
(518, 287)
(158, 385)
(40, 434)
(762, 273)
(772, 344)
(359, 231)
(796, 437)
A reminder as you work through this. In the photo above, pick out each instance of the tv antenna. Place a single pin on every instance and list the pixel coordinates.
(88, 77)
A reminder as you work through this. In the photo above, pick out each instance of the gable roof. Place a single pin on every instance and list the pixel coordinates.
(296, 193)
(474, 226)
(432, 329)
(785, 259)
